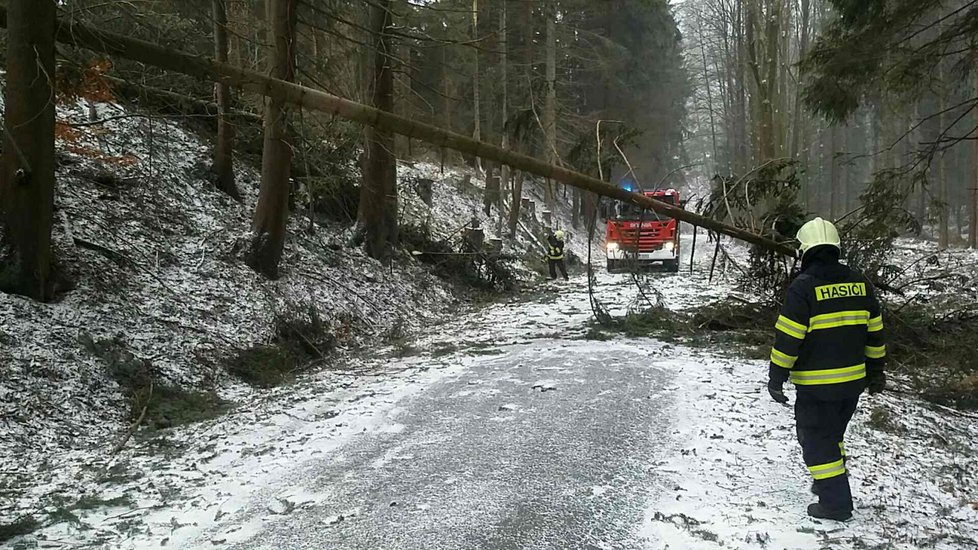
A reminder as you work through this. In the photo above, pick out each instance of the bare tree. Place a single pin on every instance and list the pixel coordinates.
(27, 184)
(272, 211)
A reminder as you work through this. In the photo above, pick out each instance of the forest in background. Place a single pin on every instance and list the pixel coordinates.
(861, 112)
(530, 76)
(873, 105)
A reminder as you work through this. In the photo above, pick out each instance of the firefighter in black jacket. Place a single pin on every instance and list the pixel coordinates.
(555, 254)
(829, 342)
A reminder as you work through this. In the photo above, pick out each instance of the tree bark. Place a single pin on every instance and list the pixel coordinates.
(272, 212)
(491, 194)
(207, 69)
(504, 171)
(799, 109)
(27, 183)
(476, 87)
(224, 146)
(835, 179)
(973, 218)
(514, 211)
(709, 98)
(943, 229)
(550, 101)
(378, 194)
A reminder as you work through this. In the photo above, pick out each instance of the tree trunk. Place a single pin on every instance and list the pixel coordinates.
(224, 147)
(943, 230)
(973, 218)
(514, 211)
(504, 171)
(202, 68)
(272, 211)
(27, 184)
(476, 88)
(379, 190)
(845, 172)
(491, 194)
(709, 99)
(796, 130)
(550, 101)
(835, 175)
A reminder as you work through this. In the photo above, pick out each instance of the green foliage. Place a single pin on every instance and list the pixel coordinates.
(264, 366)
(894, 46)
(21, 526)
(165, 404)
(301, 337)
(868, 238)
(935, 351)
(479, 270)
(880, 418)
(169, 406)
(764, 201)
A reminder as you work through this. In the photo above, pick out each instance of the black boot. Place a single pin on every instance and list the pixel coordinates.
(817, 511)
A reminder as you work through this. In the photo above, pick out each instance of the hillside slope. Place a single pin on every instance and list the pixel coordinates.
(160, 291)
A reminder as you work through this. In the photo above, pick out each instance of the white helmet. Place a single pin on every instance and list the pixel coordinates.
(818, 232)
(559, 235)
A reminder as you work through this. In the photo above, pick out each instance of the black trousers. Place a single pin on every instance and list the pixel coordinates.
(821, 426)
(554, 266)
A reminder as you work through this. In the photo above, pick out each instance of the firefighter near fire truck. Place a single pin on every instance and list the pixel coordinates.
(555, 255)
(829, 343)
(638, 239)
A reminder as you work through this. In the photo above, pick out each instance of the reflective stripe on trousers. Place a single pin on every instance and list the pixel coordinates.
(829, 470)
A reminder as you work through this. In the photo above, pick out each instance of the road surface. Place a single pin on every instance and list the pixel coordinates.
(545, 445)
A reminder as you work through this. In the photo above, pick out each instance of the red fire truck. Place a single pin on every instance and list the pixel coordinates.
(639, 238)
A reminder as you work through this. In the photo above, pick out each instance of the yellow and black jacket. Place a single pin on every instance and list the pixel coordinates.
(829, 336)
(555, 250)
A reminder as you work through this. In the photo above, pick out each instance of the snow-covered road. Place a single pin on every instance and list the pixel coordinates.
(508, 429)
(546, 445)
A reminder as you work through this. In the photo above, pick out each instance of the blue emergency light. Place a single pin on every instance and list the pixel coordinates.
(627, 184)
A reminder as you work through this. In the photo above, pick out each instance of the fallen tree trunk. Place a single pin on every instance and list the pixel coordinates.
(85, 36)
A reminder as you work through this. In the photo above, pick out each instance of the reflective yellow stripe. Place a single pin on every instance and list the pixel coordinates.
(842, 448)
(875, 352)
(876, 324)
(791, 328)
(829, 376)
(838, 319)
(783, 359)
(826, 471)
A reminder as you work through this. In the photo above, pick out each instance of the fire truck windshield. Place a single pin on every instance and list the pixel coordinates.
(627, 211)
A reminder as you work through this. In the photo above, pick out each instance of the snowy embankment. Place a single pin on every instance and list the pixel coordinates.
(153, 250)
(735, 478)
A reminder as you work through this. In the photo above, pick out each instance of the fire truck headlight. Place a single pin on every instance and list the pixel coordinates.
(611, 247)
(669, 246)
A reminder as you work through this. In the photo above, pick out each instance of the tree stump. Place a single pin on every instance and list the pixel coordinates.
(473, 239)
(426, 191)
(495, 245)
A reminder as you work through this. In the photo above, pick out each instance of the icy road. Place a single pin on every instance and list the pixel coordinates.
(546, 445)
(509, 429)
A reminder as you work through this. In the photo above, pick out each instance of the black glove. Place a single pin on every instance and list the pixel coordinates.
(777, 376)
(877, 382)
(776, 389)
